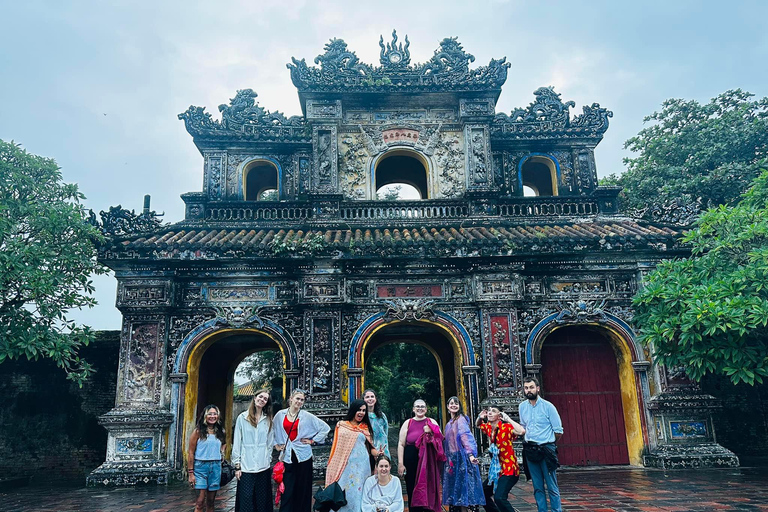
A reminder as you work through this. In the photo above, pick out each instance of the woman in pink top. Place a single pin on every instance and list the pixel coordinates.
(415, 434)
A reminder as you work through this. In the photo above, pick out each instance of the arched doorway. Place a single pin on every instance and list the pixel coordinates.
(580, 376)
(210, 368)
(441, 358)
(403, 167)
(416, 322)
(538, 176)
(261, 181)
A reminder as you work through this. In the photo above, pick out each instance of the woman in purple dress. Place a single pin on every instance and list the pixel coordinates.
(462, 484)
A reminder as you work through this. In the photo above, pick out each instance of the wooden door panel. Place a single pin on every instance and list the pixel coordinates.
(580, 376)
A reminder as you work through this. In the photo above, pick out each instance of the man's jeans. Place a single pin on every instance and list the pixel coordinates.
(499, 501)
(540, 474)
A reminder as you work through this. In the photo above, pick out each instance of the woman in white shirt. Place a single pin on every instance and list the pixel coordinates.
(382, 492)
(296, 431)
(252, 455)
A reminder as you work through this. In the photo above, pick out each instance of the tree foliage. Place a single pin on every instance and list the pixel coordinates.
(262, 367)
(709, 313)
(693, 152)
(47, 255)
(400, 373)
(389, 193)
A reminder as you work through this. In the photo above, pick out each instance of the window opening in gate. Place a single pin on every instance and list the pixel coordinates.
(538, 175)
(401, 174)
(260, 182)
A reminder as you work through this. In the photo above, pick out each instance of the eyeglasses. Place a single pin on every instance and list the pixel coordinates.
(419, 406)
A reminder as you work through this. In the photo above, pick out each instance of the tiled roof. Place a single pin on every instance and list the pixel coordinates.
(246, 389)
(279, 241)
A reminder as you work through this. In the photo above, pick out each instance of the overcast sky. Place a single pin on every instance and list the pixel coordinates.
(97, 85)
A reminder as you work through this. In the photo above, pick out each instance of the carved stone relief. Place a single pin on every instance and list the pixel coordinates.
(354, 160)
(179, 327)
(478, 162)
(214, 170)
(477, 107)
(323, 353)
(586, 174)
(144, 293)
(142, 360)
(238, 294)
(325, 173)
(305, 170)
(449, 157)
(565, 161)
(317, 109)
(499, 287)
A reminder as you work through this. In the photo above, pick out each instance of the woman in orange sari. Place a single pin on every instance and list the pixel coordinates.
(349, 463)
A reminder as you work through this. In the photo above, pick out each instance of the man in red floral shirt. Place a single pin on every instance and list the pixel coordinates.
(504, 472)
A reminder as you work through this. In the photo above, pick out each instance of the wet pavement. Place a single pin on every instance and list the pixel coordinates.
(600, 490)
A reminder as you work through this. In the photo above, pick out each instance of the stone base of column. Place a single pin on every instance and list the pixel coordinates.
(684, 433)
(135, 449)
(692, 456)
(131, 473)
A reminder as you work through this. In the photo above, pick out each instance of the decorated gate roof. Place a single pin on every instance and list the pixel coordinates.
(184, 242)
(448, 70)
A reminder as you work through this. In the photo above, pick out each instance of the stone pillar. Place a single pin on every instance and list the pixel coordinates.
(355, 377)
(136, 451)
(682, 430)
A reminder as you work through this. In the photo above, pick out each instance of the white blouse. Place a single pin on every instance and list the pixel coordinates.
(252, 447)
(380, 498)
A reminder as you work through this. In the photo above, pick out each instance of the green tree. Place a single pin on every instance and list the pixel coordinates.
(696, 153)
(262, 367)
(389, 193)
(47, 255)
(709, 313)
(400, 373)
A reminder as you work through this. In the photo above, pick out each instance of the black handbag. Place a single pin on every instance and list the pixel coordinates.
(227, 472)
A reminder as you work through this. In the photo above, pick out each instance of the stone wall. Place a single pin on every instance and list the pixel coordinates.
(742, 424)
(49, 424)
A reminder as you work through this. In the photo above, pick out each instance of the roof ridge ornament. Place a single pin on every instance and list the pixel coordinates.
(244, 118)
(341, 71)
(548, 116)
(394, 56)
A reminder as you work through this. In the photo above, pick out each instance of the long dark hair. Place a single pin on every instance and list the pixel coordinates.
(354, 407)
(202, 426)
(267, 410)
(377, 405)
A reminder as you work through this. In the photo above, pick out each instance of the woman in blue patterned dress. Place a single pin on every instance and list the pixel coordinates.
(462, 484)
(378, 422)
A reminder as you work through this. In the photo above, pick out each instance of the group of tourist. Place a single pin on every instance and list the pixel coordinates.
(439, 467)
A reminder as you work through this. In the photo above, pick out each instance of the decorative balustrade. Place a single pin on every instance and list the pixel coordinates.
(401, 211)
(259, 212)
(550, 207)
(404, 210)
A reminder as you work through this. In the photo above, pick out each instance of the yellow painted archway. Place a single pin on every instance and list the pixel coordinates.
(194, 369)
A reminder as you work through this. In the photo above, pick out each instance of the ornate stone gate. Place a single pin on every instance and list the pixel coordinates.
(314, 263)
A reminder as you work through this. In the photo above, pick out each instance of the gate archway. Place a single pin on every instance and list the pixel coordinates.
(204, 373)
(442, 335)
(580, 377)
(615, 354)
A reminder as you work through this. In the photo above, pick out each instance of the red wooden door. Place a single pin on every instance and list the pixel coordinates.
(580, 376)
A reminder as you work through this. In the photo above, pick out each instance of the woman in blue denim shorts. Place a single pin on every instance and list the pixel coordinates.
(206, 446)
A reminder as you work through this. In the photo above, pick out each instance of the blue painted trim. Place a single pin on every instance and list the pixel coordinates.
(356, 338)
(211, 324)
(544, 323)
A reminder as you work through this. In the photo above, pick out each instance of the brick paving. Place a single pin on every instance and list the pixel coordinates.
(611, 490)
